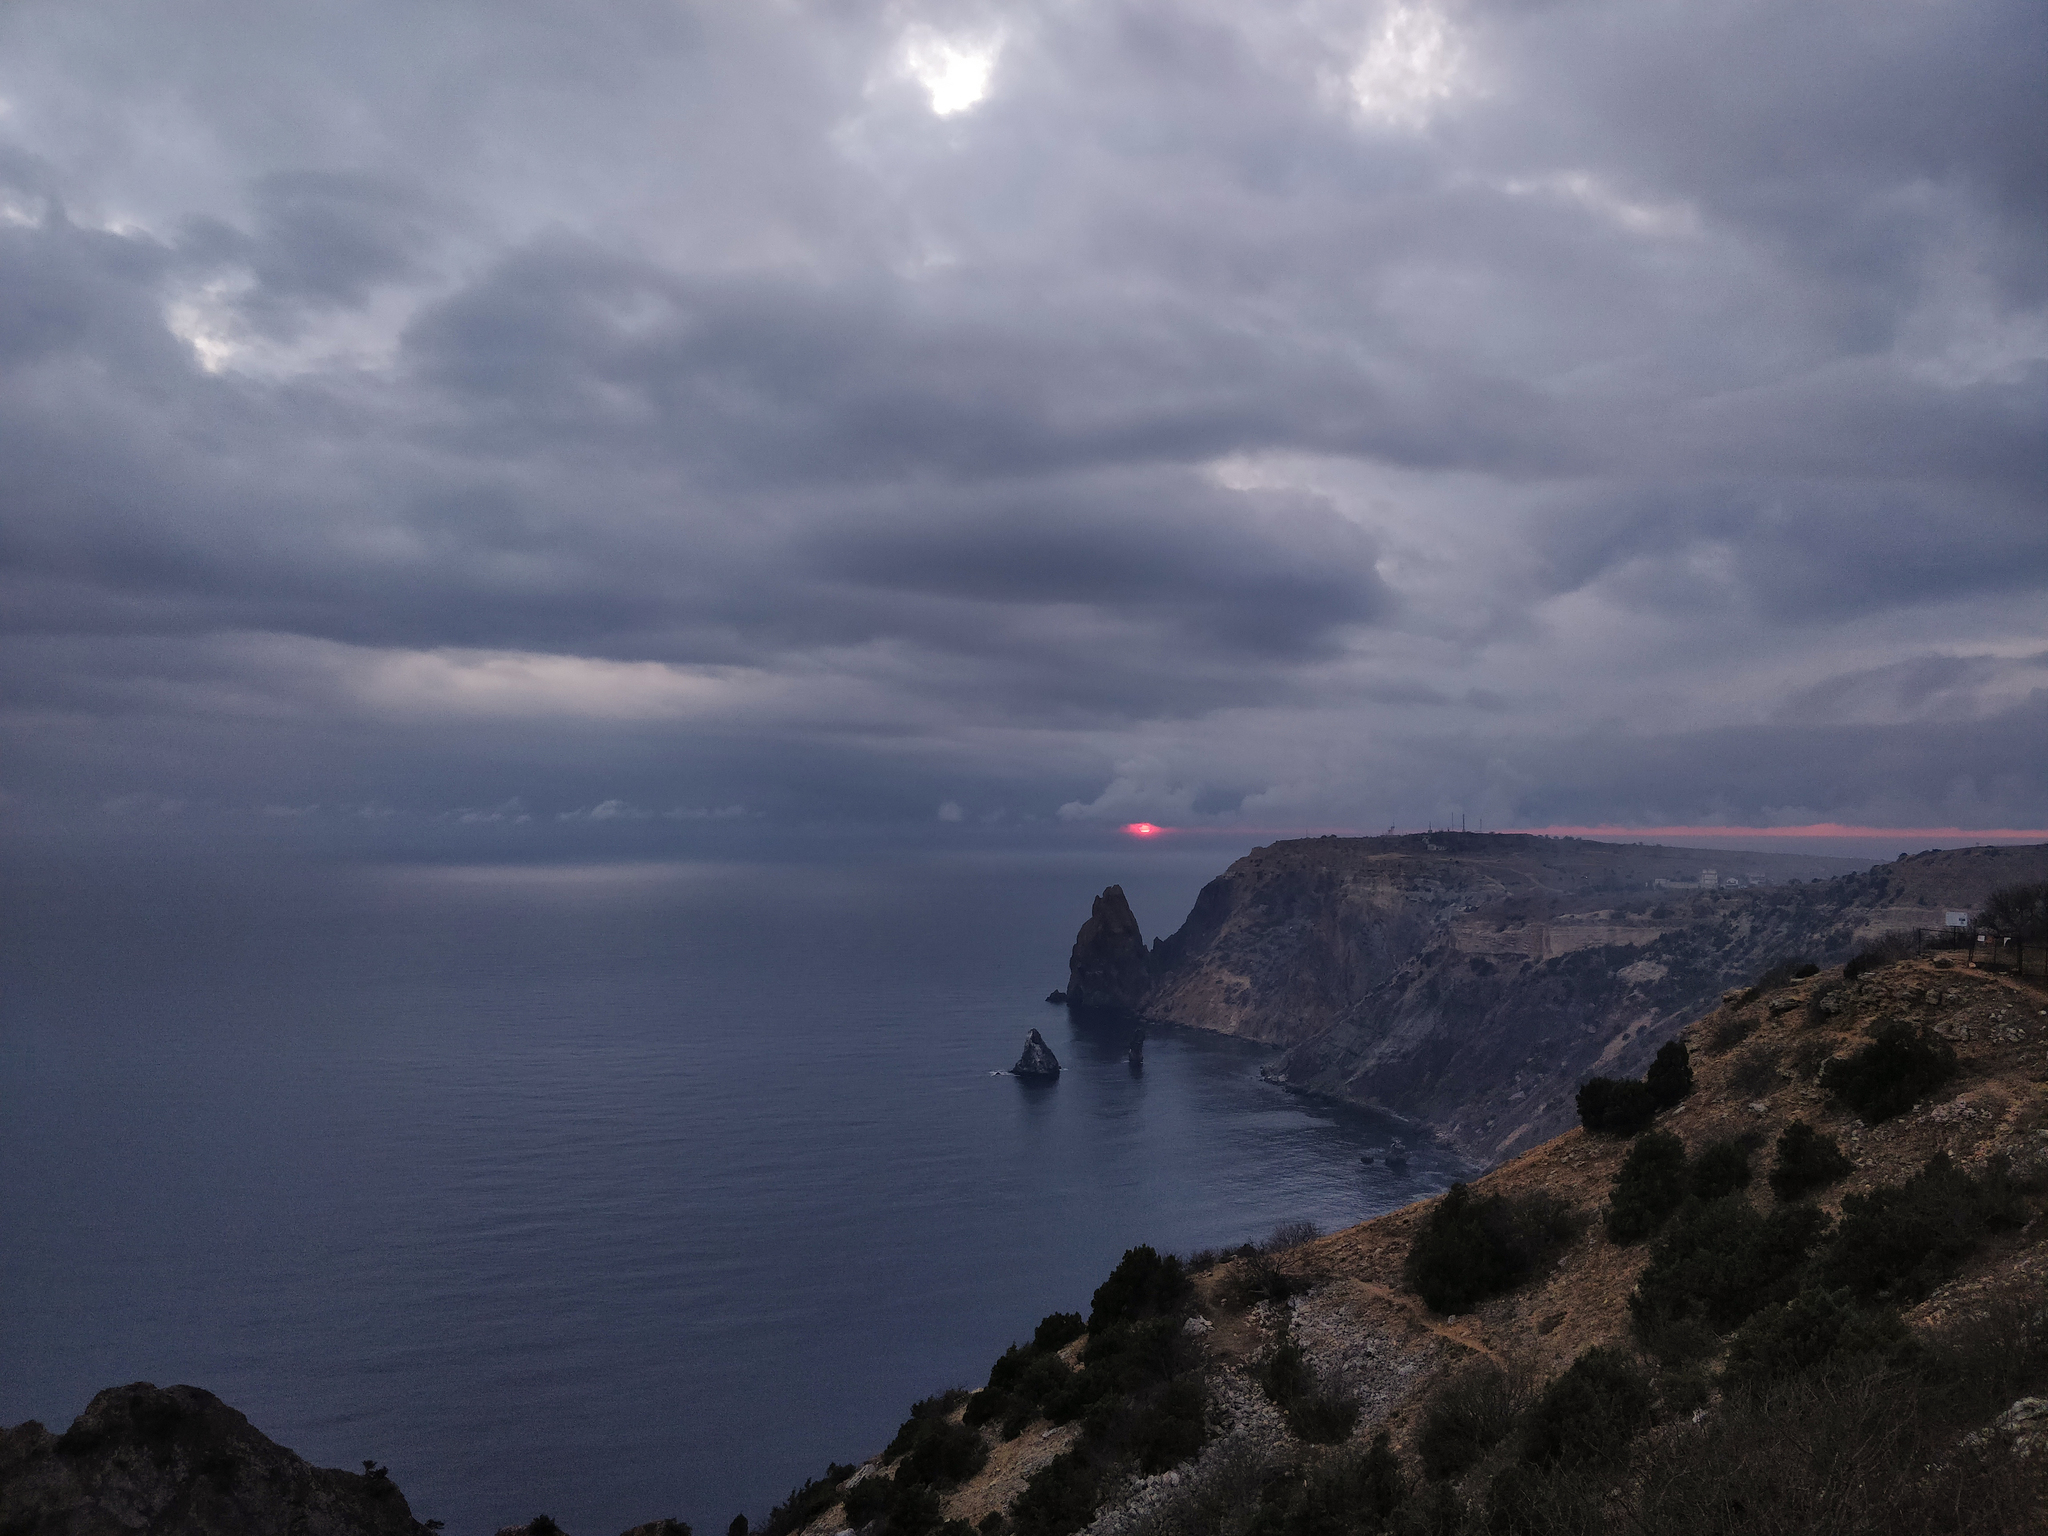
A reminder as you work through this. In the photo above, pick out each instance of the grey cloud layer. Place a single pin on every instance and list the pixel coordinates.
(666, 406)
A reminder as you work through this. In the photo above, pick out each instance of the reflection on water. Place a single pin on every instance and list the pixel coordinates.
(614, 1197)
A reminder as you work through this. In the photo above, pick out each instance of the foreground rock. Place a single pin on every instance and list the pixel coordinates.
(176, 1461)
(1037, 1060)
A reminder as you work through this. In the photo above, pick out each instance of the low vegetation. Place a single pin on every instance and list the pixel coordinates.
(1901, 1065)
(1807, 1160)
(1626, 1106)
(1472, 1247)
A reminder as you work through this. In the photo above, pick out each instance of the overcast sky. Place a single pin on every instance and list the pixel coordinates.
(638, 420)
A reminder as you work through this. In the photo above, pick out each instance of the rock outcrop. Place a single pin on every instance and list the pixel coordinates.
(1037, 1060)
(1470, 981)
(176, 1461)
(1108, 969)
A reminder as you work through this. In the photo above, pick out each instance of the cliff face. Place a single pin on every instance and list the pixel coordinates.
(1471, 981)
(179, 1460)
(1107, 969)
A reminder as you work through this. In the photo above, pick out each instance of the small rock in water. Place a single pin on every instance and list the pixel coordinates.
(1037, 1060)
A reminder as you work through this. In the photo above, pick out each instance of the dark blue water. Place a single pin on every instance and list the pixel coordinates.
(613, 1193)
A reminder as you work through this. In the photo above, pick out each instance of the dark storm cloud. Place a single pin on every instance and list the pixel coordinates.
(1585, 411)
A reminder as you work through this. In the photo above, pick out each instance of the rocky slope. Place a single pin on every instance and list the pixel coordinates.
(179, 1461)
(1944, 1431)
(1469, 981)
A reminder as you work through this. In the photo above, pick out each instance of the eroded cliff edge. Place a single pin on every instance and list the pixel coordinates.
(1469, 981)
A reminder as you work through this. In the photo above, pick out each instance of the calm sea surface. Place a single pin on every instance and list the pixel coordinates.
(613, 1192)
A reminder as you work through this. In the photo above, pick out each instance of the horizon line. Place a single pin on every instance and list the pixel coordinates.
(1820, 829)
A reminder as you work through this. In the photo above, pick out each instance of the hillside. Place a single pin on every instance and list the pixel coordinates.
(1469, 981)
(1891, 1391)
(1645, 1329)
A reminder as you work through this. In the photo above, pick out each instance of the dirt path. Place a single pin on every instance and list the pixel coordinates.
(1411, 1307)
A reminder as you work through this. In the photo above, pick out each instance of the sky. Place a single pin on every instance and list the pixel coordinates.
(521, 428)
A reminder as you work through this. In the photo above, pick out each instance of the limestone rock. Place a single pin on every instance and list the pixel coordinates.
(1037, 1060)
(1108, 966)
(176, 1461)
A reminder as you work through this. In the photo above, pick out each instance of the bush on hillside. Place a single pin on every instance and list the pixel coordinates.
(1290, 1234)
(1722, 1168)
(1056, 1330)
(1716, 1264)
(923, 1413)
(1143, 1284)
(1613, 1106)
(1670, 1076)
(1059, 1499)
(808, 1501)
(1886, 1077)
(1467, 1417)
(1472, 1247)
(1886, 949)
(1780, 974)
(1648, 1187)
(2020, 911)
(1349, 1492)
(1814, 1328)
(1807, 1160)
(1590, 1413)
(1901, 1240)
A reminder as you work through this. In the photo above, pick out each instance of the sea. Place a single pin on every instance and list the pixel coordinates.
(613, 1191)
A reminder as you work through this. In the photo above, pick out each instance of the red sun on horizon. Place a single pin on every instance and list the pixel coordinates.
(1142, 829)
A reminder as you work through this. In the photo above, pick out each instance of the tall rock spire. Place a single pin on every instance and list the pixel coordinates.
(1107, 969)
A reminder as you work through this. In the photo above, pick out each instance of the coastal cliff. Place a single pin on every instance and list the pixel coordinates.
(1469, 981)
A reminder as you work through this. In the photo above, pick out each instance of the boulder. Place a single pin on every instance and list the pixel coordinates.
(1108, 969)
(176, 1461)
(1037, 1060)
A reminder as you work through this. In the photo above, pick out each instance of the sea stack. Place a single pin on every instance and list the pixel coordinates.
(1107, 969)
(1037, 1060)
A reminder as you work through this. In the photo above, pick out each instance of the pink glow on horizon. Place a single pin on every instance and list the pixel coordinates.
(1817, 829)
(1144, 829)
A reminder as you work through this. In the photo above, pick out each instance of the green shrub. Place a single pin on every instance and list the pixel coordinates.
(1813, 1328)
(1056, 1331)
(1285, 1375)
(1590, 1413)
(1807, 1160)
(1347, 1494)
(1887, 1076)
(1472, 1247)
(943, 1452)
(1467, 1417)
(1169, 1427)
(1060, 1498)
(924, 1412)
(1722, 1168)
(1670, 1076)
(807, 1502)
(1716, 1263)
(1612, 1106)
(1648, 1187)
(2019, 910)
(1322, 1416)
(1886, 949)
(869, 1499)
(1143, 1284)
(1135, 1355)
(1901, 1240)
